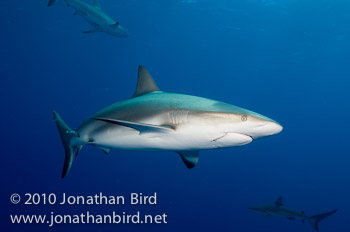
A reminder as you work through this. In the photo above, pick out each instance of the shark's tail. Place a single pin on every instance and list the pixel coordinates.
(317, 218)
(51, 2)
(69, 140)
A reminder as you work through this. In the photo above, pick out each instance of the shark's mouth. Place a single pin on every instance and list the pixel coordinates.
(230, 139)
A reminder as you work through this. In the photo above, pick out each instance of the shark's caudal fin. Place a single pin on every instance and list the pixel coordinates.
(317, 218)
(67, 137)
(51, 2)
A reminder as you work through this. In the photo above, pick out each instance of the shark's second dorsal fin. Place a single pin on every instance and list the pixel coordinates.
(145, 83)
(279, 201)
(96, 3)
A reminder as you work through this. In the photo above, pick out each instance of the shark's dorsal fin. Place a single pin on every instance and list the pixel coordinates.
(279, 201)
(190, 158)
(145, 83)
(96, 3)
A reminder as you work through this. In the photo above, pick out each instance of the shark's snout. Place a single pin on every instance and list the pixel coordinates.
(274, 128)
(265, 129)
(121, 32)
(124, 33)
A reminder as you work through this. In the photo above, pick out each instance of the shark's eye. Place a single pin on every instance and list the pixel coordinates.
(244, 118)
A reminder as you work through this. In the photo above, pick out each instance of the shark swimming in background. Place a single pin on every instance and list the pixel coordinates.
(94, 15)
(152, 120)
(279, 210)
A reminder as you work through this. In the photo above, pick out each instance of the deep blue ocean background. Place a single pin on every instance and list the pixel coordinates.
(286, 59)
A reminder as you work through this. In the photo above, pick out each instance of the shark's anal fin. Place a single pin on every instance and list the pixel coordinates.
(141, 127)
(279, 201)
(145, 83)
(190, 158)
(105, 150)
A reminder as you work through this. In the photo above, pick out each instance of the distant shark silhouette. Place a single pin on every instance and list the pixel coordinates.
(94, 15)
(152, 120)
(279, 210)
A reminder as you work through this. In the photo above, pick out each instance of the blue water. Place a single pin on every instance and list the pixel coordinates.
(288, 60)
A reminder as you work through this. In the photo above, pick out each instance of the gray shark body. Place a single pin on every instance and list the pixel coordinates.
(94, 15)
(152, 120)
(279, 210)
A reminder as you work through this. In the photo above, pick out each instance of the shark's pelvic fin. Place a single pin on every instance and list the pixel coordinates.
(141, 127)
(145, 83)
(279, 201)
(67, 135)
(317, 218)
(190, 158)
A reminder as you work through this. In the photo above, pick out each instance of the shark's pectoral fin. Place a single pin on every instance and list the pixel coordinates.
(143, 128)
(190, 158)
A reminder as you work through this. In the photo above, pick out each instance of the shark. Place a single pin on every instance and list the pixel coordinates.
(277, 209)
(153, 120)
(94, 15)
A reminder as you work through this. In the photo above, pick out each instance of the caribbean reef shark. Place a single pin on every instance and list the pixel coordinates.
(94, 15)
(279, 210)
(152, 120)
